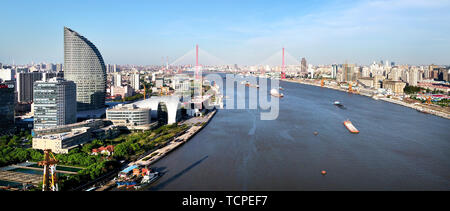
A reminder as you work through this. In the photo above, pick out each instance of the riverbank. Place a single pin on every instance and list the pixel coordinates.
(175, 143)
(172, 145)
(418, 107)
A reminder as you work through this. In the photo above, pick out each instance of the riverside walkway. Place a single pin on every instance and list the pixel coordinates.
(200, 123)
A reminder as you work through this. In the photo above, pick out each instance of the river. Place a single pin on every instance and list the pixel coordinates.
(397, 148)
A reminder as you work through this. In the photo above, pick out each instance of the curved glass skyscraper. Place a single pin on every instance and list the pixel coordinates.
(84, 65)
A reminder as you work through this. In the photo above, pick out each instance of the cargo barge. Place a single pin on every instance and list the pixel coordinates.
(350, 127)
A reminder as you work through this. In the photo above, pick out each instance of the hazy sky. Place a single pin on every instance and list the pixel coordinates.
(236, 31)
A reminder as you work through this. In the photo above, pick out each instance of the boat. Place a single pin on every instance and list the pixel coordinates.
(338, 104)
(421, 110)
(281, 88)
(348, 124)
(151, 177)
(275, 93)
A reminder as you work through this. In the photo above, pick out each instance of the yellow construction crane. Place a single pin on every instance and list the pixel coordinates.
(49, 164)
(145, 91)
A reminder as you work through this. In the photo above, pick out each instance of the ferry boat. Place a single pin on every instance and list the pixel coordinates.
(275, 93)
(147, 179)
(350, 127)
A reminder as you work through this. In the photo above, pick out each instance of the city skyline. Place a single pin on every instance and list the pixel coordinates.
(323, 32)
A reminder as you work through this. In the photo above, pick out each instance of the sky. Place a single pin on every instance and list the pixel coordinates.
(245, 32)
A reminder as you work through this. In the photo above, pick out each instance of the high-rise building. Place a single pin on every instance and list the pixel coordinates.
(135, 81)
(117, 79)
(59, 67)
(84, 65)
(54, 103)
(25, 86)
(7, 74)
(7, 103)
(303, 67)
(349, 72)
(413, 77)
(334, 70)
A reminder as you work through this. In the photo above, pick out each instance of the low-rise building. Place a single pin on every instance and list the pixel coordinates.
(108, 150)
(123, 91)
(128, 115)
(395, 86)
(63, 142)
(368, 82)
(91, 123)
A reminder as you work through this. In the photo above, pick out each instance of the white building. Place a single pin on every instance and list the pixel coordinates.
(413, 77)
(54, 103)
(166, 109)
(7, 74)
(135, 81)
(128, 115)
(118, 79)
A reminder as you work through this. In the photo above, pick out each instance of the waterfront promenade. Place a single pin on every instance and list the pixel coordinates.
(364, 92)
(176, 142)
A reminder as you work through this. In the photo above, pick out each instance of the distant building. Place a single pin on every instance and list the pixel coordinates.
(117, 79)
(25, 86)
(366, 81)
(59, 67)
(377, 81)
(7, 75)
(123, 91)
(7, 102)
(84, 65)
(413, 77)
(54, 103)
(349, 72)
(181, 84)
(135, 81)
(159, 82)
(395, 86)
(303, 67)
(334, 70)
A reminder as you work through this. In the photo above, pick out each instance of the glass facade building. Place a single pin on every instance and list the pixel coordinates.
(54, 103)
(84, 65)
(7, 96)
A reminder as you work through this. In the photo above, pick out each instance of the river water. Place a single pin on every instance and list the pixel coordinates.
(397, 148)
